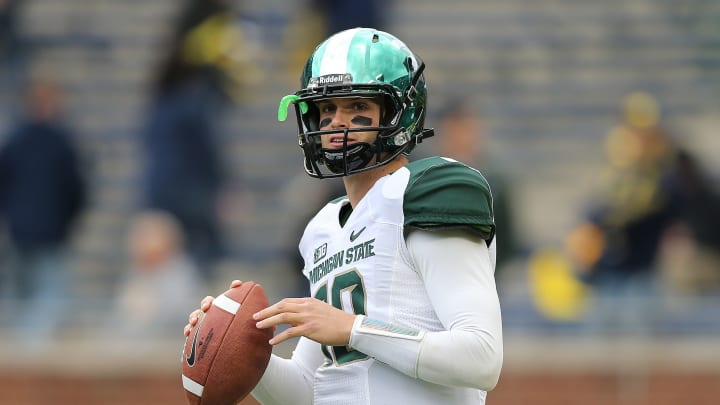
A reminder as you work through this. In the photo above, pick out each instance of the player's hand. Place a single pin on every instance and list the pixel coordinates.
(307, 317)
(205, 304)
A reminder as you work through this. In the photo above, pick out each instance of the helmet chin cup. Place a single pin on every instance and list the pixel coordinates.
(348, 160)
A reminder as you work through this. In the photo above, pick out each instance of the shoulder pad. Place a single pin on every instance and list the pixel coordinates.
(444, 193)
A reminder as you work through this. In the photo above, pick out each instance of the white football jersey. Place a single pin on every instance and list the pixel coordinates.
(364, 267)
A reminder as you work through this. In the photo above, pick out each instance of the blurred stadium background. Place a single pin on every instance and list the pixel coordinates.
(549, 76)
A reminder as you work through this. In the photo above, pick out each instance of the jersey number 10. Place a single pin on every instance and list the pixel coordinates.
(347, 292)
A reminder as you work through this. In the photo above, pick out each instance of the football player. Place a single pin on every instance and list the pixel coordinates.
(403, 307)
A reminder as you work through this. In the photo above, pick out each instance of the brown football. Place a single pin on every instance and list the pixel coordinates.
(225, 354)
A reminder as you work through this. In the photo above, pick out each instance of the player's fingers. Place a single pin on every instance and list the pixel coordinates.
(288, 333)
(269, 311)
(312, 330)
(289, 318)
(186, 330)
(283, 306)
(280, 337)
(206, 303)
(193, 317)
(235, 283)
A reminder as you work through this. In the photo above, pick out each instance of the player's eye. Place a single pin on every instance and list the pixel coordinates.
(360, 106)
(326, 108)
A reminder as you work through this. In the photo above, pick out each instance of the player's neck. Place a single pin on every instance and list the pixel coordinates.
(359, 184)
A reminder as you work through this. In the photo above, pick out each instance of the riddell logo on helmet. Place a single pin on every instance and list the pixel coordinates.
(325, 80)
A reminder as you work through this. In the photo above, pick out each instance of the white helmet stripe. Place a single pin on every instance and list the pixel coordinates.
(334, 60)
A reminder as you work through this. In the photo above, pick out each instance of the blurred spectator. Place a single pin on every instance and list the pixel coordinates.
(618, 245)
(161, 285)
(466, 139)
(196, 79)
(42, 194)
(208, 38)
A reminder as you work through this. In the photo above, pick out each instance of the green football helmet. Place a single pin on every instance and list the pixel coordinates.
(360, 62)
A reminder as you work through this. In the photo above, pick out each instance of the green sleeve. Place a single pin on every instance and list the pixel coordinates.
(444, 194)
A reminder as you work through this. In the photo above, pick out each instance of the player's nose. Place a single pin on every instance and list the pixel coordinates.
(339, 120)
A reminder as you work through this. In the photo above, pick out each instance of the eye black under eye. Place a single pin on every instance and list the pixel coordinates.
(361, 120)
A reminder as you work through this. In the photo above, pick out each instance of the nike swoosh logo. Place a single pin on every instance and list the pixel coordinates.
(191, 358)
(354, 235)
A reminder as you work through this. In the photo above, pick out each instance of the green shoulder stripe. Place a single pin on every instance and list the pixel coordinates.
(443, 193)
